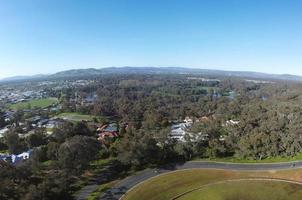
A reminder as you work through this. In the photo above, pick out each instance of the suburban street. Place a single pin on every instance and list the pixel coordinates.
(123, 186)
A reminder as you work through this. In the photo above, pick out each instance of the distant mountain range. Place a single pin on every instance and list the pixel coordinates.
(155, 70)
(20, 78)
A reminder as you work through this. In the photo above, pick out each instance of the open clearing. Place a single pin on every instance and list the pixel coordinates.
(247, 190)
(38, 103)
(170, 185)
(76, 117)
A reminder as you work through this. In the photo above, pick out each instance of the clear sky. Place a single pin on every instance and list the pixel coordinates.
(52, 35)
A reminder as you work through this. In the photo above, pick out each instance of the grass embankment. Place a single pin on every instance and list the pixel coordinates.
(96, 168)
(99, 191)
(35, 103)
(277, 159)
(4, 151)
(247, 190)
(170, 185)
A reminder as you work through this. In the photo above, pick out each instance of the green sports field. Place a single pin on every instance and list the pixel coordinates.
(38, 103)
(76, 117)
(171, 185)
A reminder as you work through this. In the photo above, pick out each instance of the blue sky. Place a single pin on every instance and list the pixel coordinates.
(53, 35)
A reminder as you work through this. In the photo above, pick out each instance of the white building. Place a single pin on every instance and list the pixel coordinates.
(179, 130)
(231, 122)
(15, 159)
(3, 131)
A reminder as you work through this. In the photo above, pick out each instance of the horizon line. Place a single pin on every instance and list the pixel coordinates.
(99, 68)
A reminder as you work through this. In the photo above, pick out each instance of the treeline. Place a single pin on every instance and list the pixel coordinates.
(269, 113)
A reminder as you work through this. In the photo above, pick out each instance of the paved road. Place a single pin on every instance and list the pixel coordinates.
(123, 186)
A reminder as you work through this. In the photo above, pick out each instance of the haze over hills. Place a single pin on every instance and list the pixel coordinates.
(155, 70)
(19, 78)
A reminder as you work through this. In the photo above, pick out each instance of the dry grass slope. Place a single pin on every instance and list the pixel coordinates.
(172, 184)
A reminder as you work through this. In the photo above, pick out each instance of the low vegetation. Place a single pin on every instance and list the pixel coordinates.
(277, 159)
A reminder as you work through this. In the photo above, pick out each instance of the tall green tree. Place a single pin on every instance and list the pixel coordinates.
(76, 152)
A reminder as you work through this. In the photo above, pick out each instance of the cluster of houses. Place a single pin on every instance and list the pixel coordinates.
(42, 122)
(16, 159)
(3, 131)
(59, 85)
(9, 95)
(32, 123)
(179, 130)
(84, 82)
(258, 81)
(8, 116)
(85, 100)
(211, 80)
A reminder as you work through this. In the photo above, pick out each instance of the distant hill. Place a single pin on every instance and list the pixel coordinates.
(76, 73)
(20, 78)
(156, 70)
(174, 70)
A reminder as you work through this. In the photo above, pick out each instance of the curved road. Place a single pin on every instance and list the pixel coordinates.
(123, 186)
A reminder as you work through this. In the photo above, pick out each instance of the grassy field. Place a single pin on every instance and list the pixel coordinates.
(247, 190)
(3, 151)
(267, 160)
(76, 117)
(206, 88)
(39, 103)
(170, 185)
